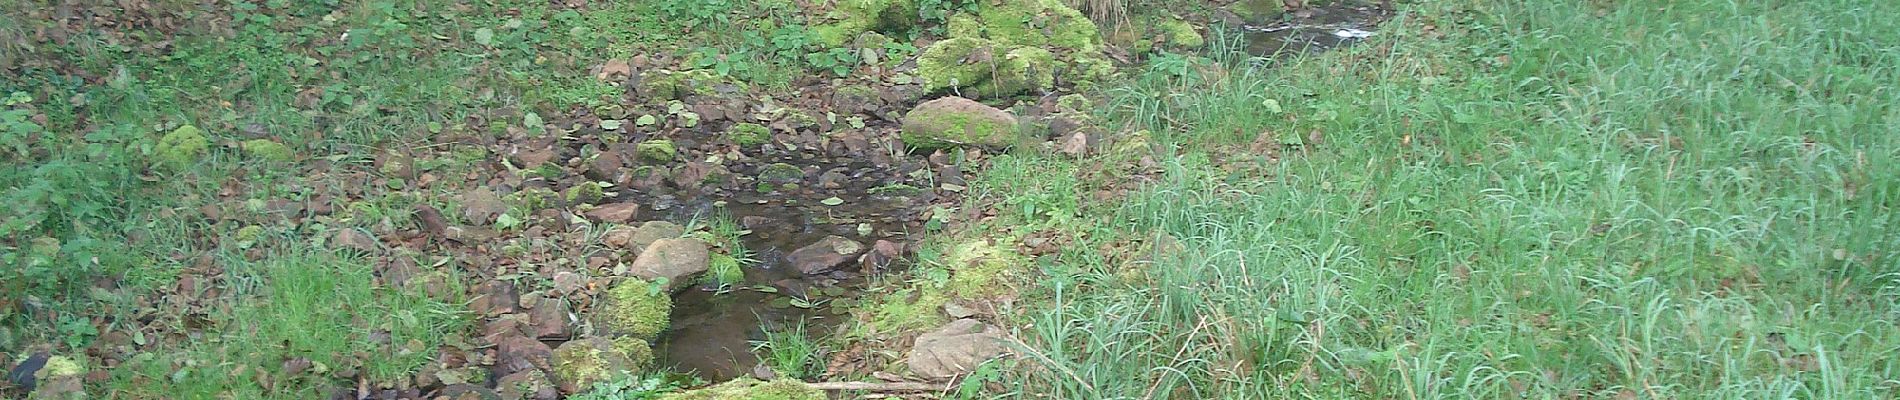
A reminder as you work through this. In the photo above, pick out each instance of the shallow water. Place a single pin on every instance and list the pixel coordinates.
(1315, 29)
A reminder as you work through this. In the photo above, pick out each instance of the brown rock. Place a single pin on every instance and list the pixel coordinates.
(431, 220)
(494, 297)
(527, 385)
(677, 260)
(481, 206)
(823, 256)
(615, 213)
(955, 349)
(548, 319)
(354, 239)
(880, 256)
(639, 238)
(520, 353)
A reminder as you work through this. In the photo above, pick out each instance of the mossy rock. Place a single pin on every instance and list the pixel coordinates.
(983, 68)
(749, 134)
(752, 389)
(634, 308)
(1072, 44)
(661, 150)
(267, 150)
(585, 193)
(181, 147)
(1181, 34)
(1037, 23)
(851, 18)
(532, 199)
(780, 173)
(955, 121)
(664, 85)
(580, 364)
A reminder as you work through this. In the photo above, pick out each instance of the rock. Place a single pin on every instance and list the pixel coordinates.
(823, 256)
(481, 206)
(431, 220)
(880, 256)
(983, 68)
(527, 385)
(355, 239)
(616, 213)
(585, 193)
(749, 135)
(1076, 145)
(568, 282)
(58, 378)
(516, 353)
(749, 388)
(858, 17)
(266, 150)
(780, 173)
(548, 319)
(832, 179)
(181, 148)
(1180, 34)
(660, 150)
(956, 310)
(639, 238)
(634, 308)
(398, 271)
(955, 349)
(494, 297)
(22, 375)
(465, 391)
(605, 167)
(532, 155)
(956, 121)
(580, 364)
(676, 260)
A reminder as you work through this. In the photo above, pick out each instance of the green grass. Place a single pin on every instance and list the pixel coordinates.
(1682, 200)
(792, 352)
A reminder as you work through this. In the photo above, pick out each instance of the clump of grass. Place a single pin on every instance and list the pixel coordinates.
(1496, 199)
(791, 352)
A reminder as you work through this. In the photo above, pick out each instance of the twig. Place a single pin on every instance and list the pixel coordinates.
(881, 386)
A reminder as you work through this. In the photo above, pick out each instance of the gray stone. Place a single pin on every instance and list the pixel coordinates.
(955, 350)
(825, 255)
(677, 260)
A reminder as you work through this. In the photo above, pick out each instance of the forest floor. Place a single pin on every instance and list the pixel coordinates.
(789, 199)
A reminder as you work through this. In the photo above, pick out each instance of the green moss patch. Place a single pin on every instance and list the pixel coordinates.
(752, 389)
(634, 308)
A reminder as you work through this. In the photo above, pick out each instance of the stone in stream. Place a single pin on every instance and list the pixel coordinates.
(955, 349)
(826, 254)
(627, 237)
(677, 260)
(956, 121)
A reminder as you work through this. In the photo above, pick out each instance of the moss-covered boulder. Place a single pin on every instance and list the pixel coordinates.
(664, 85)
(1071, 44)
(749, 134)
(267, 150)
(752, 389)
(580, 364)
(983, 68)
(585, 193)
(660, 150)
(634, 308)
(181, 147)
(780, 173)
(851, 18)
(1180, 34)
(956, 121)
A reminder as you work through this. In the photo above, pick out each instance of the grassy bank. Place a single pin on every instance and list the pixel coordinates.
(1494, 199)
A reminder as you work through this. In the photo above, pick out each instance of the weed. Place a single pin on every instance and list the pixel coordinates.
(791, 352)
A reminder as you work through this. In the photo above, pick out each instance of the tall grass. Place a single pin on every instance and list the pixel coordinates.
(1513, 199)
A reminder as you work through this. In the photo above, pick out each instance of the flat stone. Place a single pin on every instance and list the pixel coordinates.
(955, 349)
(677, 260)
(825, 255)
(616, 213)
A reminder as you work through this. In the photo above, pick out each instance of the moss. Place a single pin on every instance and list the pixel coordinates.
(1180, 34)
(1133, 145)
(1075, 103)
(663, 85)
(634, 308)
(58, 366)
(752, 389)
(851, 18)
(264, 149)
(585, 193)
(638, 351)
(780, 173)
(908, 310)
(532, 199)
(1040, 23)
(661, 150)
(586, 362)
(749, 134)
(976, 267)
(182, 147)
(949, 129)
(981, 67)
